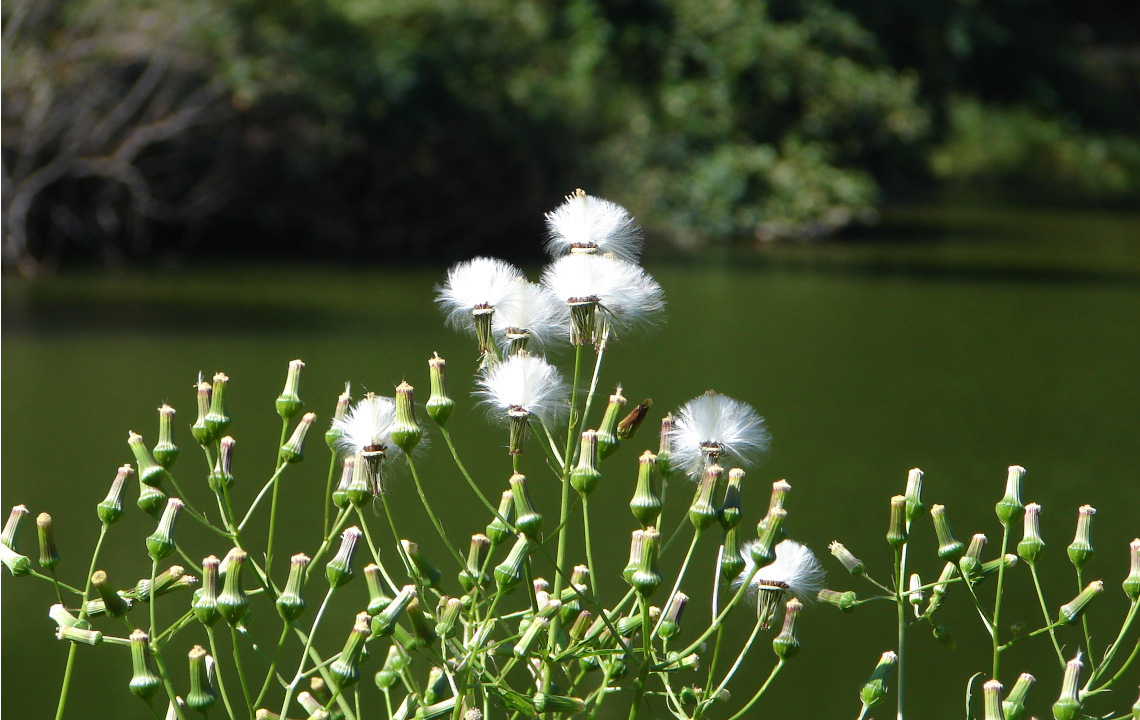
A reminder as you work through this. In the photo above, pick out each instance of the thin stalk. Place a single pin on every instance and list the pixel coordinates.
(684, 568)
(1085, 627)
(273, 502)
(739, 659)
(168, 686)
(272, 665)
(1111, 652)
(755, 698)
(305, 653)
(221, 680)
(900, 603)
(589, 546)
(328, 504)
(270, 484)
(82, 615)
(996, 641)
(431, 514)
(240, 667)
(1045, 613)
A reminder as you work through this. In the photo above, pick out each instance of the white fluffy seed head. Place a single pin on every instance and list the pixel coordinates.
(626, 296)
(584, 223)
(524, 383)
(710, 427)
(795, 570)
(531, 309)
(367, 427)
(478, 284)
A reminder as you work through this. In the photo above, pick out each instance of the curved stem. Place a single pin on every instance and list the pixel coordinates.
(431, 514)
(755, 698)
(218, 674)
(1045, 613)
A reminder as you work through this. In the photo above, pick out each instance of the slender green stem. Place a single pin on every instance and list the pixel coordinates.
(693, 646)
(431, 514)
(467, 476)
(82, 615)
(1085, 627)
(167, 685)
(327, 504)
(66, 680)
(684, 568)
(977, 603)
(739, 659)
(240, 667)
(272, 666)
(219, 674)
(756, 698)
(269, 485)
(372, 548)
(1111, 652)
(273, 502)
(589, 546)
(305, 653)
(900, 601)
(55, 583)
(995, 636)
(1045, 613)
(396, 536)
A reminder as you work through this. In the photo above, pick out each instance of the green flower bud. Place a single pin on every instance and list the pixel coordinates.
(914, 506)
(222, 477)
(874, 691)
(289, 401)
(377, 598)
(78, 635)
(345, 670)
(472, 576)
(581, 625)
(665, 445)
(780, 490)
(144, 682)
(435, 686)
(1131, 583)
(150, 472)
(111, 509)
(390, 673)
(422, 626)
(384, 623)
(152, 500)
(421, 566)
(339, 569)
(528, 520)
(161, 544)
(1010, 508)
(897, 531)
(509, 572)
(439, 404)
(171, 579)
(941, 587)
(991, 692)
(914, 591)
(644, 550)
(12, 526)
(702, 512)
(498, 531)
(971, 562)
(730, 515)
(949, 547)
(336, 431)
(1014, 705)
(165, 451)
(406, 431)
(340, 493)
(114, 605)
(359, 490)
(233, 602)
(763, 551)
(1068, 705)
(670, 623)
(449, 617)
(731, 561)
(942, 634)
(216, 419)
(991, 567)
(291, 603)
(205, 603)
(534, 632)
(1081, 549)
(293, 451)
(547, 703)
(608, 440)
(1031, 545)
(647, 503)
(49, 555)
(853, 564)
(202, 695)
(201, 432)
(436, 711)
(63, 618)
(585, 477)
(1072, 610)
(845, 601)
(630, 624)
(786, 644)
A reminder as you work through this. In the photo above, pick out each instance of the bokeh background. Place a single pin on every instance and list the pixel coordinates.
(905, 231)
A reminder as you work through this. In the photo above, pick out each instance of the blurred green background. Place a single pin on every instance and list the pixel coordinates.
(906, 232)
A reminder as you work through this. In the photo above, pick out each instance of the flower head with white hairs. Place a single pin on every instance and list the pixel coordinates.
(473, 291)
(522, 386)
(605, 296)
(530, 318)
(366, 434)
(795, 571)
(587, 224)
(712, 426)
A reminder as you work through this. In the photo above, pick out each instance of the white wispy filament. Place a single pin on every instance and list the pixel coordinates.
(524, 384)
(588, 224)
(626, 296)
(795, 570)
(367, 427)
(712, 426)
(531, 311)
(473, 285)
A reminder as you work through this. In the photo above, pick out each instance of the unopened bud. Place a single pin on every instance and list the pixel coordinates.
(645, 577)
(222, 477)
(914, 591)
(49, 555)
(853, 564)
(991, 692)
(421, 566)
(914, 506)
(293, 451)
(289, 401)
(1014, 704)
(150, 472)
(202, 695)
(730, 514)
(534, 631)
(498, 531)
(845, 601)
(874, 691)
(1068, 705)
(165, 451)
(439, 404)
(406, 431)
(449, 618)
(114, 604)
(1031, 545)
(201, 432)
(1081, 549)
(171, 579)
(671, 617)
(472, 576)
(731, 561)
(384, 623)
(144, 682)
(205, 602)
(509, 572)
(527, 518)
(586, 476)
(161, 544)
(547, 703)
(217, 420)
(786, 644)
(942, 634)
(763, 550)
(152, 500)
(1010, 508)
(702, 511)
(423, 629)
(291, 603)
(336, 430)
(387, 676)
(646, 503)
(665, 446)
(345, 670)
(339, 569)
(949, 547)
(233, 602)
(971, 562)
(78, 635)
(12, 525)
(1072, 610)
(897, 528)
(608, 440)
(111, 509)
(1131, 583)
(63, 618)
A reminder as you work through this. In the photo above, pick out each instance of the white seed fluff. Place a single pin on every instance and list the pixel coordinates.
(795, 570)
(584, 223)
(480, 283)
(627, 297)
(714, 426)
(527, 383)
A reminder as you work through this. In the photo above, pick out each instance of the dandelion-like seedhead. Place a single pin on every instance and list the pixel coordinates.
(531, 313)
(524, 384)
(587, 224)
(795, 571)
(626, 296)
(711, 426)
(367, 427)
(480, 284)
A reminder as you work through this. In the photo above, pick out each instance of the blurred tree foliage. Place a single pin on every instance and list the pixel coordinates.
(433, 128)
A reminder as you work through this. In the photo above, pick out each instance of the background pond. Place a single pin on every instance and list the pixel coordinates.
(956, 341)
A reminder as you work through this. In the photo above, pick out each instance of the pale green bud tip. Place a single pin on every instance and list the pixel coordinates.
(1072, 610)
(63, 618)
(853, 564)
(111, 509)
(472, 575)
(49, 555)
(384, 623)
(780, 490)
(205, 602)
(897, 530)
(345, 670)
(421, 566)
(1031, 545)
(914, 506)
(498, 531)
(992, 694)
(1014, 704)
(217, 420)
(702, 512)
(78, 635)
(200, 430)
(1081, 550)
(449, 617)
(646, 502)
(534, 632)
(339, 569)
(150, 472)
(642, 573)
(293, 451)
(547, 703)
(786, 644)
(671, 619)
(114, 604)
(291, 604)
(233, 602)
(1131, 583)
(527, 518)
(202, 695)
(608, 440)
(1010, 508)
(914, 590)
(144, 682)
(406, 431)
(509, 572)
(165, 451)
(949, 547)
(585, 477)
(289, 401)
(845, 601)
(875, 689)
(12, 526)
(665, 444)
(1068, 705)
(161, 544)
(971, 562)
(439, 405)
(730, 514)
